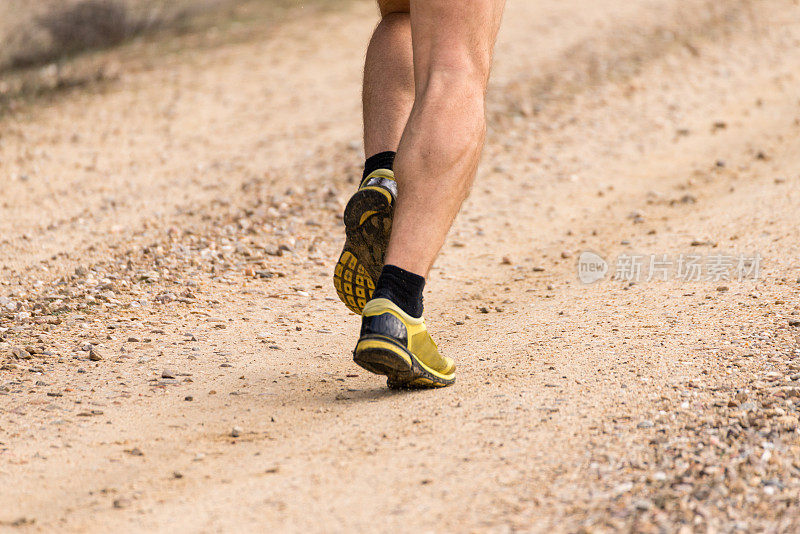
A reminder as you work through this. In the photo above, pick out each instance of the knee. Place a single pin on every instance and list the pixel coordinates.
(463, 74)
(451, 108)
(456, 86)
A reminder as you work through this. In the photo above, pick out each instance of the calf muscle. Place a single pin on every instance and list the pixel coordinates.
(441, 145)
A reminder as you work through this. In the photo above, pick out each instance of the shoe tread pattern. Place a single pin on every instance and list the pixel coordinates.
(361, 261)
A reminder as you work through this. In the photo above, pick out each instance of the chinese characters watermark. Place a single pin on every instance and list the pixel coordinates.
(664, 267)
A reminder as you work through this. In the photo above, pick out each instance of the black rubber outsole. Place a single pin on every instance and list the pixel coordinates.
(386, 363)
(389, 361)
(365, 200)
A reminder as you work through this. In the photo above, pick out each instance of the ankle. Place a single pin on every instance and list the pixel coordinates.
(381, 160)
(402, 287)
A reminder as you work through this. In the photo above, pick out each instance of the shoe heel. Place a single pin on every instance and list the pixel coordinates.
(364, 203)
(384, 358)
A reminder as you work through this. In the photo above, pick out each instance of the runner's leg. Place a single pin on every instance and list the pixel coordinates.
(388, 79)
(439, 151)
(436, 162)
(387, 97)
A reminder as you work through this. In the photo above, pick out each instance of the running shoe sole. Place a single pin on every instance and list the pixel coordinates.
(383, 356)
(368, 225)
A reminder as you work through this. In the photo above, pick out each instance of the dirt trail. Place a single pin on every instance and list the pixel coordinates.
(184, 223)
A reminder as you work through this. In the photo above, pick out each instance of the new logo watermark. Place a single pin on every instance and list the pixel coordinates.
(664, 267)
(591, 267)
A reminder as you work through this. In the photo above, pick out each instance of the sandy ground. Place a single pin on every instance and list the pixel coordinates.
(174, 358)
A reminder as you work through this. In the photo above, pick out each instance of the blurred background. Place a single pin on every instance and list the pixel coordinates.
(37, 38)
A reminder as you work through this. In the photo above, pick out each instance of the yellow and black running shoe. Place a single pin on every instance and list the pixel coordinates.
(368, 224)
(399, 346)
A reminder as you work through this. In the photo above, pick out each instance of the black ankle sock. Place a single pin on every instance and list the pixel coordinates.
(382, 160)
(401, 287)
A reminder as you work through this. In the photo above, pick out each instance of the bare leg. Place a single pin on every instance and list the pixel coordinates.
(388, 79)
(388, 97)
(441, 145)
(437, 157)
